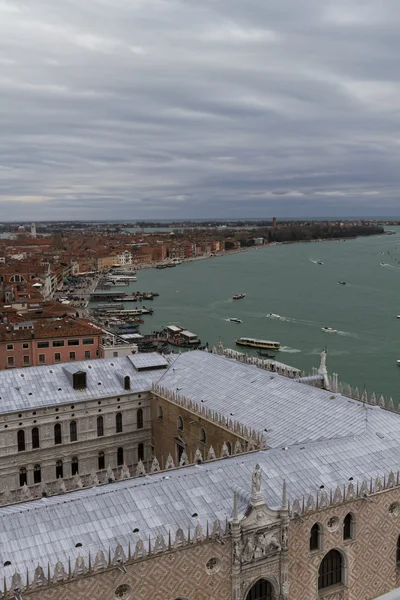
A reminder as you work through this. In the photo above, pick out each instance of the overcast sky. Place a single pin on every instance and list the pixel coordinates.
(125, 109)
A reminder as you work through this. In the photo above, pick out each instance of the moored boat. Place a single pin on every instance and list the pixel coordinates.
(256, 343)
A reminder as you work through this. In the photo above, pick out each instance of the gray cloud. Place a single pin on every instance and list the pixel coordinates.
(178, 108)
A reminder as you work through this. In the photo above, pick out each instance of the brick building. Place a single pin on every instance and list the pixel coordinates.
(283, 490)
(42, 342)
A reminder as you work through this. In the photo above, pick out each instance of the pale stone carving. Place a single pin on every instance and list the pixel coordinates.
(155, 466)
(80, 567)
(25, 493)
(184, 459)
(169, 463)
(100, 561)
(110, 474)
(211, 454)
(198, 458)
(39, 577)
(59, 572)
(125, 473)
(140, 470)
(238, 447)
(159, 545)
(224, 451)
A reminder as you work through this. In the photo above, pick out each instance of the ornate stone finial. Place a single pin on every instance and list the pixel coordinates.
(94, 480)
(140, 470)
(256, 495)
(184, 459)
(220, 348)
(211, 454)
(155, 466)
(224, 450)
(25, 493)
(198, 458)
(323, 371)
(284, 496)
(110, 474)
(238, 447)
(125, 473)
(169, 463)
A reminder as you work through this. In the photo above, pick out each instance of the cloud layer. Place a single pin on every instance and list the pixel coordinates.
(124, 109)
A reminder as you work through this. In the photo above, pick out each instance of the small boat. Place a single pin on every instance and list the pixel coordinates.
(265, 354)
(235, 320)
(329, 330)
(161, 266)
(254, 343)
(319, 262)
(341, 282)
(238, 296)
(398, 316)
(398, 362)
(273, 316)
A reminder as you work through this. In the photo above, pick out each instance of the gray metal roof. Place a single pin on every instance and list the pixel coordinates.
(148, 360)
(287, 411)
(46, 530)
(22, 389)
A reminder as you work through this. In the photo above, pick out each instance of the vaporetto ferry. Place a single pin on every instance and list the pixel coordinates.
(254, 343)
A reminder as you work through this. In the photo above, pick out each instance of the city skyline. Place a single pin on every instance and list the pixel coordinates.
(172, 110)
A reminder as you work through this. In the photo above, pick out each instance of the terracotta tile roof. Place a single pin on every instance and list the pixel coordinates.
(50, 329)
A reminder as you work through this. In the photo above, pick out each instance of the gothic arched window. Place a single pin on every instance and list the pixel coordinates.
(348, 527)
(118, 423)
(139, 418)
(261, 590)
(180, 423)
(21, 440)
(57, 433)
(330, 570)
(100, 426)
(35, 438)
(120, 457)
(203, 436)
(101, 461)
(315, 537)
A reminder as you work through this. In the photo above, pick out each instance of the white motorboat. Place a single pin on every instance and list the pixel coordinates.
(398, 362)
(398, 316)
(329, 330)
(235, 320)
(273, 316)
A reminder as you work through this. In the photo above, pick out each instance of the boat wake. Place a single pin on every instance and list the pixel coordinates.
(289, 350)
(389, 266)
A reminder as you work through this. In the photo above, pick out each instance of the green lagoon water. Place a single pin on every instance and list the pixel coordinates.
(288, 281)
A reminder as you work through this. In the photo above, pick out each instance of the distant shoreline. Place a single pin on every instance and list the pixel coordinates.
(240, 250)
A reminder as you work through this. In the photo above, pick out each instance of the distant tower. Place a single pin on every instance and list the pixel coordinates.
(33, 230)
(274, 222)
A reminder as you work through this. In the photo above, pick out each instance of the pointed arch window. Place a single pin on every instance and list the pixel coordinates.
(37, 474)
(120, 457)
(59, 469)
(348, 527)
(203, 436)
(35, 438)
(118, 423)
(160, 413)
(229, 446)
(180, 423)
(261, 590)
(57, 433)
(139, 419)
(74, 465)
(21, 440)
(73, 432)
(330, 570)
(100, 426)
(140, 451)
(315, 537)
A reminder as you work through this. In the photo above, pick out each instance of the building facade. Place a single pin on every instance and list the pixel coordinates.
(231, 500)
